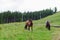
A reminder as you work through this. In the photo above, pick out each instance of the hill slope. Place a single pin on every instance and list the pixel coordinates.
(15, 31)
(55, 25)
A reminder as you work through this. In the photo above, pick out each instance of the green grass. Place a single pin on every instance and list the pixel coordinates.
(15, 31)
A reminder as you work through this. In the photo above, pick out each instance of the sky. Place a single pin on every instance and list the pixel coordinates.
(28, 5)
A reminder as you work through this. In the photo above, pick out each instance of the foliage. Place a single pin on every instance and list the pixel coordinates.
(7, 17)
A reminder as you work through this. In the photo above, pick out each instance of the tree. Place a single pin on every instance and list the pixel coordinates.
(55, 10)
(7, 17)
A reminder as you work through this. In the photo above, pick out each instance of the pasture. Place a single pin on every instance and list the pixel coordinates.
(15, 31)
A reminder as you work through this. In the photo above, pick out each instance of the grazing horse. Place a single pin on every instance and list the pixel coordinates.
(29, 24)
(48, 25)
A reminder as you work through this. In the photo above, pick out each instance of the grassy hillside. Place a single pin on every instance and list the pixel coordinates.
(15, 31)
(55, 25)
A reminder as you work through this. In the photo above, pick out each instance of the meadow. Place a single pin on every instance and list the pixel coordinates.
(16, 31)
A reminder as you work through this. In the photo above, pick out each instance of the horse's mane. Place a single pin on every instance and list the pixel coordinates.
(29, 21)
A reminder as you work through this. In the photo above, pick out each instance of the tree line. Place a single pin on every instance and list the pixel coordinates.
(7, 17)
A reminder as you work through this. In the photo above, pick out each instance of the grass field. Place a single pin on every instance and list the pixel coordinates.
(15, 31)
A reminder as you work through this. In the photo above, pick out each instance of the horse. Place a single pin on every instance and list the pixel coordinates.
(48, 25)
(29, 24)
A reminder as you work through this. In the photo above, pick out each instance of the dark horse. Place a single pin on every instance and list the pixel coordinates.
(29, 24)
(48, 25)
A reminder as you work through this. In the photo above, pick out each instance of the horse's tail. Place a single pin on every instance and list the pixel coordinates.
(25, 26)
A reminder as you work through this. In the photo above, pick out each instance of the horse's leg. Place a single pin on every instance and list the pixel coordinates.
(48, 27)
(25, 26)
(28, 27)
(32, 28)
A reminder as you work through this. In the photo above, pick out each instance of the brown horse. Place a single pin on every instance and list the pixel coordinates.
(29, 24)
(48, 25)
